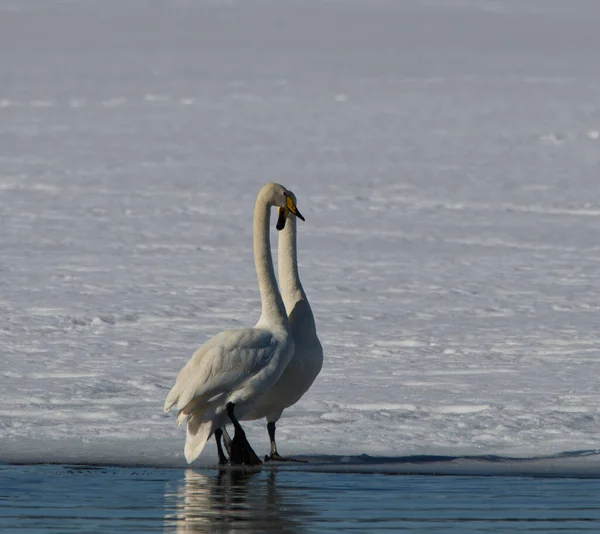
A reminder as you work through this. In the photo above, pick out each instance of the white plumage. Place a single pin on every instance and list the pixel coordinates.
(307, 360)
(237, 366)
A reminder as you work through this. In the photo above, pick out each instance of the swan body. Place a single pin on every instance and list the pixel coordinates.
(236, 367)
(307, 360)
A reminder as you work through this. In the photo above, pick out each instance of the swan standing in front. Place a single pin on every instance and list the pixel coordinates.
(232, 370)
(307, 360)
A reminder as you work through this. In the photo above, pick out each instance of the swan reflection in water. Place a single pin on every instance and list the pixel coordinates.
(233, 501)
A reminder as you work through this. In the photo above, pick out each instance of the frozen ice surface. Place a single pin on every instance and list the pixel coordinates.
(446, 157)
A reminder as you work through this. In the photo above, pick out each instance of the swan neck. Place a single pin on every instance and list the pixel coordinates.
(289, 279)
(273, 310)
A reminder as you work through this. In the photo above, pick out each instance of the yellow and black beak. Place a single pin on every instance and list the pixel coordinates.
(292, 207)
(284, 213)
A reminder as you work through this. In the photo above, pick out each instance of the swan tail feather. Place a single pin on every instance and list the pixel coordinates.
(199, 431)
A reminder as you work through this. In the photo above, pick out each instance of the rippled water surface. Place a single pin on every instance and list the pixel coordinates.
(119, 499)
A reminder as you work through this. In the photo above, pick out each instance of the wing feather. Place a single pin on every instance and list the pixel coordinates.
(220, 366)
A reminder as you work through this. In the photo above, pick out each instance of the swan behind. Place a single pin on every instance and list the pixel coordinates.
(307, 361)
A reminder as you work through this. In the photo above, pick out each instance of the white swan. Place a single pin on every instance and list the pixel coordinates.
(225, 377)
(307, 360)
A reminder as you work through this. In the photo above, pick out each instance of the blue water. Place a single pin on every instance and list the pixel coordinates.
(120, 499)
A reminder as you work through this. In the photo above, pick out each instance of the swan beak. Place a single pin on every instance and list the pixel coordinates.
(289, 204)
(281, 219)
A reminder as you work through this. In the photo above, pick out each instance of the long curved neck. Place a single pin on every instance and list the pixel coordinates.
(273, 310)
(287, 264)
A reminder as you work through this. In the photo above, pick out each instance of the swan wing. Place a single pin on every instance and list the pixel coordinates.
(221, 365)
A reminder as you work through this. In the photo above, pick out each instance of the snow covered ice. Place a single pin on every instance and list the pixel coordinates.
(454, 276)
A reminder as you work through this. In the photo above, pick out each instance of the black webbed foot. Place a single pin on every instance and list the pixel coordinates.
(241, 450)
(275, 456)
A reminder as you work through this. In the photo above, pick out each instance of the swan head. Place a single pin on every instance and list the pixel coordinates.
(284, 212)
(285, 200)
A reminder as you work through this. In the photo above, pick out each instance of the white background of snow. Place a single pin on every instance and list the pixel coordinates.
(446, 156)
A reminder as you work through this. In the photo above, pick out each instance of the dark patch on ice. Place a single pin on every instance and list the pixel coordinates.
(84, 468)
(579, 463)
(432, 458)
(567, 464)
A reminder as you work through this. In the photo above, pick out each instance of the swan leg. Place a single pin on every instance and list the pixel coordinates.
(271, 430)
(226, 441)
(274, 455)
(222, 458)
(241, 451)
